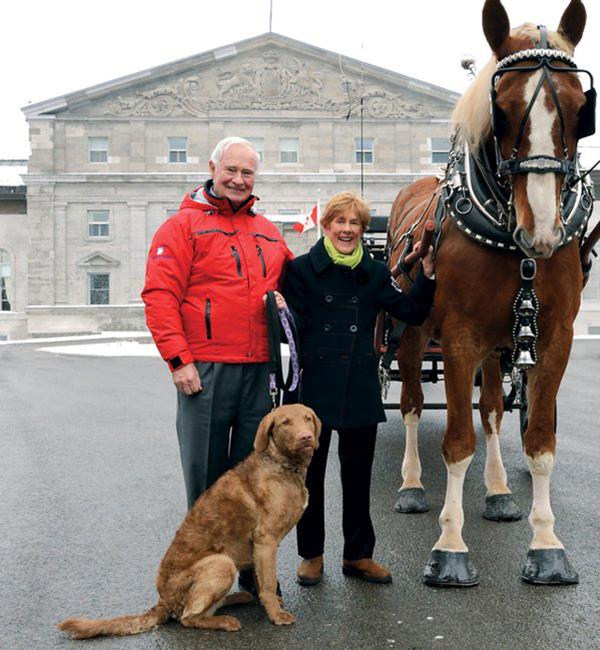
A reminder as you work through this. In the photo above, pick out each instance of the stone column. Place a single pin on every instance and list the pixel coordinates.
(61, 289)
(137, 248)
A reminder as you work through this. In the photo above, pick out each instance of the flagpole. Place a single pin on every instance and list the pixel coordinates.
(318, 218)
(270, 16)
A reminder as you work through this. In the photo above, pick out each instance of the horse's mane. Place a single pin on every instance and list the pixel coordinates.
(471, 119)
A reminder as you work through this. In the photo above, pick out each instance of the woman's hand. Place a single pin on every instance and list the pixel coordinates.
(428, 267)
(279, 300)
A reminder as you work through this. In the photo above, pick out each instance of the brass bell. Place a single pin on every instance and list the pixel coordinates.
(524, 360)
(526, 309)
(525, 334)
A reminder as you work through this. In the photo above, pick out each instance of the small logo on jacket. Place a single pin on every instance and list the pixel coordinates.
(160, 250)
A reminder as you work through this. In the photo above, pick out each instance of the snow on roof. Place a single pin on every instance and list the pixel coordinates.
(10, 172)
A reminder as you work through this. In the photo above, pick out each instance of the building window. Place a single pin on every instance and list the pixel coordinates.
(363, 152)
(98, 150)
(5, 280)
(98, 223)
(259, 145)
(440, 148)
(288, 150)
(177, 150)
(98, 288)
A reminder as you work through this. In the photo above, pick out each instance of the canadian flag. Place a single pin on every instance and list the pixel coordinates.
(308, 221)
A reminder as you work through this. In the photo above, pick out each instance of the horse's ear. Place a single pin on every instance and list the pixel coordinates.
(496, 24)
(262, 433)
(572, 22)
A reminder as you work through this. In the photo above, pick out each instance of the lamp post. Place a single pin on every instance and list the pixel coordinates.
(348, 85)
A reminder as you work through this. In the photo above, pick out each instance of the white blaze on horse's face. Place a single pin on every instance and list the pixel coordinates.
(538, 211)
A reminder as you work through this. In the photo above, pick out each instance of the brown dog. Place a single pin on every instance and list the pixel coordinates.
(236, 524)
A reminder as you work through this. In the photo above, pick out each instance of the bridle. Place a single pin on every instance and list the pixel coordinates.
(540, 164)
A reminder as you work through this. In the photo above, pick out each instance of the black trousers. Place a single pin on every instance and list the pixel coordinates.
(356, 448)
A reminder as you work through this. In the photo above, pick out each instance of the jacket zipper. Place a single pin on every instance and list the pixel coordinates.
(259, 234)
(208, 232)
(262, 260)
(238, 262)
(207, 320)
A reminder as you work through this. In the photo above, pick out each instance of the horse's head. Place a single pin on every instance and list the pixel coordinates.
(538, 115)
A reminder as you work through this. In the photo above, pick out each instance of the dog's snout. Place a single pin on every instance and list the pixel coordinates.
(306, 436)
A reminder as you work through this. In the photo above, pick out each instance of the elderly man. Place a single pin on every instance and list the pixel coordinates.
(208, 270)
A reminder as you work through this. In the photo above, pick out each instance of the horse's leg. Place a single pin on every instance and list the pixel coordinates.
(546, 562)
(449, 563)
(411, 495)
(499, 502)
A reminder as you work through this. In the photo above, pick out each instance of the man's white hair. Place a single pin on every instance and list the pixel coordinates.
(219, 150)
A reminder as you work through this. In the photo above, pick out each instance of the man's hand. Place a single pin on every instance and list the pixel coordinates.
(279, 300)
(187, 379)
(428, 268)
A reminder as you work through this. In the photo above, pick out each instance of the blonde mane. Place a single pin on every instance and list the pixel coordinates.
(471, 118)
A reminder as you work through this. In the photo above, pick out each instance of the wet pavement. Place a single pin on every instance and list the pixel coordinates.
(92, 495)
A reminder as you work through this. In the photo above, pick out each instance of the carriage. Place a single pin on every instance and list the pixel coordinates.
(514, 396)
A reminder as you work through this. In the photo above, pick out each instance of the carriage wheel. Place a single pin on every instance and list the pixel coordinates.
(524, 408)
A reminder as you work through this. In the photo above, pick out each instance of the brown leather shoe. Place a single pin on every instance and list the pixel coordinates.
(310, 572)
(367, 569)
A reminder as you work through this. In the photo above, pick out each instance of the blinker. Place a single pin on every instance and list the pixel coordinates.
(586, 119)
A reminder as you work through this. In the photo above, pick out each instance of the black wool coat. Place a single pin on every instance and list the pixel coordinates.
(335, 309)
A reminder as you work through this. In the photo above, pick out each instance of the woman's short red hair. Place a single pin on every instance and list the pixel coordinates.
(344, 202)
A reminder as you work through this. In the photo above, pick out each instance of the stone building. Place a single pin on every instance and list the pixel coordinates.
(110, 163)
(14, 249)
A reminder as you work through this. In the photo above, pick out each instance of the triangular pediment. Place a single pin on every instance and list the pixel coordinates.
(98, 259)
(267, 72)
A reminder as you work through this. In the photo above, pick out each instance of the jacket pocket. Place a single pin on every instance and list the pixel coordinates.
(238, 261)
(207, 319)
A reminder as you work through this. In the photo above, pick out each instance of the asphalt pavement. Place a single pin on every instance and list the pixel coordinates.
(92, 493)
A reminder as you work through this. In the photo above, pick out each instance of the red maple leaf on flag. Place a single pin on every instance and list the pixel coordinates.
(308, 221)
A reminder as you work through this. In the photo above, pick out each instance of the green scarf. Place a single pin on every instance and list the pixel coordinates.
(352, 259)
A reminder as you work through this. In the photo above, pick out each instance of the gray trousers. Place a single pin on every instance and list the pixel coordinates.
(216, 427)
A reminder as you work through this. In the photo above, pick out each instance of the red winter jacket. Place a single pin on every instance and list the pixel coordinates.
(207, 272)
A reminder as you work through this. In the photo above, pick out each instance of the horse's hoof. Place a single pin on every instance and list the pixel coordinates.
(549, 566)
(411, 500)
(502, 507)
(450, 569)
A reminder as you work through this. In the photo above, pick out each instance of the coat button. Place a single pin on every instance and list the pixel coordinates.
(353, 328)
(328, 298)
(327, 327)
(354, 300)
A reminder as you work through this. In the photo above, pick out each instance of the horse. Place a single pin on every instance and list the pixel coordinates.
(508, 219)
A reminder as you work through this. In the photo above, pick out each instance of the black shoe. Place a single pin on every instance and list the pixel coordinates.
(247, 582)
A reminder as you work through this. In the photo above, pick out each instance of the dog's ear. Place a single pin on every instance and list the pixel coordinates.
(262, 433)
(317, 424)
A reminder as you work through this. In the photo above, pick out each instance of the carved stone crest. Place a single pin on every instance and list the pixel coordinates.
(273, 81)
(269, 82)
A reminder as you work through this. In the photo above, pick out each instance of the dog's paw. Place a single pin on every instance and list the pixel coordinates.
(230, 624)
(283, 618)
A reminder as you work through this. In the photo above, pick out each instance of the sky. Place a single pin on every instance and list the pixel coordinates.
(49, 49)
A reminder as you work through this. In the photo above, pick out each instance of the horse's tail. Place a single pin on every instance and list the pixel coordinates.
(81, 628)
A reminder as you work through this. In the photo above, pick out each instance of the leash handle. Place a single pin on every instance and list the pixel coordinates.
(278, 319)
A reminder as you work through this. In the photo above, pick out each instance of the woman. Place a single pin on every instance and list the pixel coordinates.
(336, 291)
